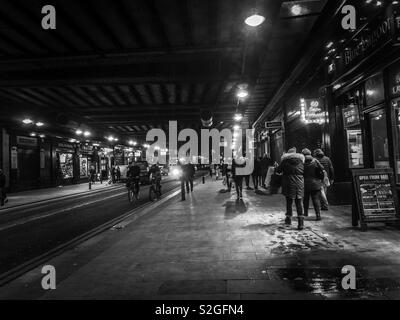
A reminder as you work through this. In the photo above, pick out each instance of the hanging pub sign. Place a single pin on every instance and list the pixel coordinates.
(273, 125)
(374, 197)
(351, 116)
(312, 111)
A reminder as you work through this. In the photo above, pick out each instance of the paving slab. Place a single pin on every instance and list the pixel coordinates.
(212, 246)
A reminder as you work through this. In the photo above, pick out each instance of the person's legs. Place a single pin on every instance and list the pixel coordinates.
(247, 180)
(187, 185)
(191, 184)
(240, 186)
(323, 198)
(306, 202)
(236, 180)
(289, 210)
(255, 181)
(300, 216)
(316, 196)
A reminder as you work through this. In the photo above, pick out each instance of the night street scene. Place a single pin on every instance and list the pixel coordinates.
(199, 150)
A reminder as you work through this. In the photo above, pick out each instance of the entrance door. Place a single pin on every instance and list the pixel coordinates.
(28, 168)
(379, 139)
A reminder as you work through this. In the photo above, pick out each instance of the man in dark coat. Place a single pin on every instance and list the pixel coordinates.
(118, 173)
(313, 175)
(328, 167)
(264, 166)
(238, 179)
(189, 171)
(292, 169)
(3, 194)
(256, 173)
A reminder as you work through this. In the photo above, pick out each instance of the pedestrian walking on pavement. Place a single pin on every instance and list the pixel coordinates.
(292, 169)
(265, 164)
(118, 173)
(113, 174)
(256, 173)
(313, 175)
(190, 176)
(3, 194)
(92, 174)
(329, 177)
(237, 178)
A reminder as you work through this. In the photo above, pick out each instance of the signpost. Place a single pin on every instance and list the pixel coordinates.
(374, 197)
(273, 125)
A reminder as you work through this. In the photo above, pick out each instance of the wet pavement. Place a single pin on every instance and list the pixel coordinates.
(214, 247)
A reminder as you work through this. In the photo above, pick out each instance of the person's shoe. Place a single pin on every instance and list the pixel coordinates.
(249, 188)
(288, 220)
(324, 208)
(318, 218)
(301, 223)
(306, 214)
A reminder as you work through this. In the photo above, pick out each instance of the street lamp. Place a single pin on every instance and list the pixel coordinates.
(86, 133)
(241, 94)
(254, 20)
(39, 124)
(78, 132)
(238, 117)
(27, 121)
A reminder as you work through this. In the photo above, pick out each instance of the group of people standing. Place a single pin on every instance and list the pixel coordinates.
(259, 174)
(115, 174)
(187, 175)
(305, 175)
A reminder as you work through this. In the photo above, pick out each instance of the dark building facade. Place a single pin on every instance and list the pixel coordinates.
(348, 104)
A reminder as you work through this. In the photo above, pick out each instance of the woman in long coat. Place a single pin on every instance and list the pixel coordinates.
(313, 175)
(292, 169)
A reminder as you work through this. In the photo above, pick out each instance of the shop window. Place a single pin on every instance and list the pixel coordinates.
(380, 144)
(374, 90)
(355, 149)
(396, 106)
(66, 165)
(83, 167)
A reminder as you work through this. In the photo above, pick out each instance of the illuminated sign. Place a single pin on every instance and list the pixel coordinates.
(312, 111)
(351, 116)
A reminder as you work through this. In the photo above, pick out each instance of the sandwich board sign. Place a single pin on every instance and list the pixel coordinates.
(375, 197)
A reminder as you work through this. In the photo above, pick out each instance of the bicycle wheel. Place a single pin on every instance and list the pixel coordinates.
(131, 195)
(152, 193)
(159, 191)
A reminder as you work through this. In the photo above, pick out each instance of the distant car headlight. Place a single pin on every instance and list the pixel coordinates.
(176, 172)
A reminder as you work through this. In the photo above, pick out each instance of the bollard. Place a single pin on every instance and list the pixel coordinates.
(183, 190)
(204, 179)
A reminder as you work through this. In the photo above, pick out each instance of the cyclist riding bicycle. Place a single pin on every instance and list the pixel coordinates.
(155, 172)
(133, 177)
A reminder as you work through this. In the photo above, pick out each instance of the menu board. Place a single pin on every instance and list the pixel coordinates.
(351, 116)
(355, 149)
(376, 195)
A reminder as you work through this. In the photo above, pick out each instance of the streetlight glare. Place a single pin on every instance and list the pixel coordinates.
(254, 20)
(242, 94)
(27, 121)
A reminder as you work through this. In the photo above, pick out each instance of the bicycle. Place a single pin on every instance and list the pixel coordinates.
(155, 189)
(133, 190)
